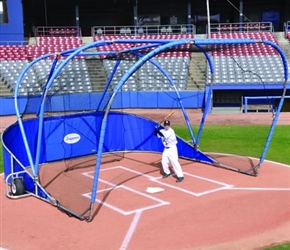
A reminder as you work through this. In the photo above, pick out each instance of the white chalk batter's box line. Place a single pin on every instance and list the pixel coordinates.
(160, 202)
(157, 180)
(224, 186)
(114, 186)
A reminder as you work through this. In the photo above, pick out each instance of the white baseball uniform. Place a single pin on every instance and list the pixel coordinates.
(170, 153)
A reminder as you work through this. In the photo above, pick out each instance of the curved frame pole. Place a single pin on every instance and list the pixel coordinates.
(42, 107)
(53, 66)
(208, 95)
(274, 122)
(163, 45)
(180, 42)
(18, 115)
(34, 166)
(71, 54)
(169, 78)
(124, 78)
(108, 83)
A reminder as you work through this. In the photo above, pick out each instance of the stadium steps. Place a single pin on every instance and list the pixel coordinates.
(197, 72)
(5, 90)
(97, 74)
(283, 43)
(33, 41)
(87, 39)
(280, 37)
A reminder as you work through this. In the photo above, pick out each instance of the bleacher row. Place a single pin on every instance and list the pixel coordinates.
(148, 77)
(123, 46)
(249, 49)
(246, 64)
(77, 78)
(73, 78)
(233, 64)
(45, 45)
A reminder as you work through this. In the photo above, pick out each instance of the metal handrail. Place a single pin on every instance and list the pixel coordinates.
(143, 30)
(241, 27)
(63, 31)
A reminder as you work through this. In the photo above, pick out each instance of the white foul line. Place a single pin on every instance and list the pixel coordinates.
(259, 189)
(131, 230)
(138, 212)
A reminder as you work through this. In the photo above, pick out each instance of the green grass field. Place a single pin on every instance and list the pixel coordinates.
(241, 140)
(245, 140)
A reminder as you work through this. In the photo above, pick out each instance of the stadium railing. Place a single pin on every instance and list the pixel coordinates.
(143, 30)
(56, 31)
(258, 57)
(241, 27)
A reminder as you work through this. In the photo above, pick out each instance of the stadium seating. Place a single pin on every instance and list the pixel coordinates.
(73, 78)
(11, 69)
(247, 64)
(257, 49)
(148, 77)
(14, 58)
(46, 45)
(57, 44)
(233, 64)
(12, 52)
(62, 32)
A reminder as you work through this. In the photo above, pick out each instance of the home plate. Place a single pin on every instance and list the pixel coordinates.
(153, 190)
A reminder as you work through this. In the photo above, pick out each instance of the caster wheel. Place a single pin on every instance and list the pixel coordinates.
(17, 187)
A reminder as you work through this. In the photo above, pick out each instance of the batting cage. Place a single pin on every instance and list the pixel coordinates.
(54, 140)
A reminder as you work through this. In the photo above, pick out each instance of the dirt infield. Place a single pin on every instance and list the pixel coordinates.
(213, 209)
(195, 116)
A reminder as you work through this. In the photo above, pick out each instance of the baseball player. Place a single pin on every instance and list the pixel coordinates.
(170, 154)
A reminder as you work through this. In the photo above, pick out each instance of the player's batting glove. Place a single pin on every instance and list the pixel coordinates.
(157, 132)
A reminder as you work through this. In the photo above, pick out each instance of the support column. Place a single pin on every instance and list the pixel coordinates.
(77, 19)
(241, 11)
(135, 14)
(189, 19)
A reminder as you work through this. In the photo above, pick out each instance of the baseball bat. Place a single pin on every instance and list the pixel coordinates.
(167, 117)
